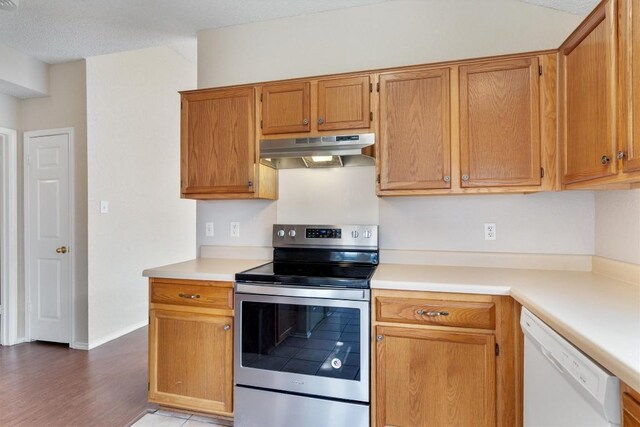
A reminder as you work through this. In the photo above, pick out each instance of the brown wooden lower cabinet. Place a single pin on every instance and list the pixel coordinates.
(190, 349)
(428, 373)
(630, 406)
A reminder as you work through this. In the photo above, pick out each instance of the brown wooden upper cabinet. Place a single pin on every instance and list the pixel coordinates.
(331, 104)
(500, 123)
(415, 141)
(286, 108)
(630, 85)
(218, 146)
(587, 98)
(343, 103)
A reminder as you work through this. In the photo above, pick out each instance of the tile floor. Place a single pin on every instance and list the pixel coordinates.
(164, 418)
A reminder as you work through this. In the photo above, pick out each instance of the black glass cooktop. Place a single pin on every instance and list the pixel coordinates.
(341, 275)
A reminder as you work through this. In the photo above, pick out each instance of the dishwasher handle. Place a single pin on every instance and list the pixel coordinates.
(552, 359)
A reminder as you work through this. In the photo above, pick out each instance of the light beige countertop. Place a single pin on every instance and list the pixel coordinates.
(204, 269)
(599, 315)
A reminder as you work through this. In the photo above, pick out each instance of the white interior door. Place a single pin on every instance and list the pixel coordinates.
(48, 237)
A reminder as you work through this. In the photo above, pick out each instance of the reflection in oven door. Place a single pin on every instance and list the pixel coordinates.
(304, 339)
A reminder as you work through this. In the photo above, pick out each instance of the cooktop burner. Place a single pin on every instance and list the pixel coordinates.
(311, 274)
(320, 256)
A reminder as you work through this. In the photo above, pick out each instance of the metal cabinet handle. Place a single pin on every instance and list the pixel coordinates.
(320, 120)
(188, 296)
(465, 177)
(422, 312)
(605, 160)
(379, 338)
(621, 155)
(305, 121)
(61, 250)
(447, 178)
(226, 327)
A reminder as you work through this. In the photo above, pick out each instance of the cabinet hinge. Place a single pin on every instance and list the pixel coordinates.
(260, 97)
(148, 386)
(28, 159)
(260, 124)
(497, 350)
(371, 115)
(541, 172)
(378, 87)
(378, 178)
(370, 87)
(539, 70)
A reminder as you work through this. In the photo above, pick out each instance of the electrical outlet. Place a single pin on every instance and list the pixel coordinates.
(489, 232)
(208, 229)
(234, 230)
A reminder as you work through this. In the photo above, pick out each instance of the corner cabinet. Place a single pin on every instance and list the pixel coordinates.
(191, 345)
(600, 99)
(476, 126)
(444, 359)
(219, 149)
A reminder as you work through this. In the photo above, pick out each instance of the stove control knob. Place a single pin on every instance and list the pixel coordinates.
(292, 233)
(367, 234)
(355, 234)
(280, 233)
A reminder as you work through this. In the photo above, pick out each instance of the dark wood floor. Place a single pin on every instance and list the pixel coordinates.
(44, 384)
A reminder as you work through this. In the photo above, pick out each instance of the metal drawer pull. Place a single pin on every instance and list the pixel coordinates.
(422, 312)
(226, 327)
(188, 296)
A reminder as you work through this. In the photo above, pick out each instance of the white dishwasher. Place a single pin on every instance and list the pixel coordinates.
(562, 386)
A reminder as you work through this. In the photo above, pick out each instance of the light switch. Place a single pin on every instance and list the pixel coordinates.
(104, 206)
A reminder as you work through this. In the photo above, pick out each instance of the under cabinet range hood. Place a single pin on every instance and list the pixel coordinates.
(317, 152)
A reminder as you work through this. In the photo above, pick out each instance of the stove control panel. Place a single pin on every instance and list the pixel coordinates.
(335, 236)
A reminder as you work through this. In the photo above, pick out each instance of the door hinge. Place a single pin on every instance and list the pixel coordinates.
(378, 87)
(370, 87)
(541, 172)
(539, 70)
(497, 350)
(371, 115)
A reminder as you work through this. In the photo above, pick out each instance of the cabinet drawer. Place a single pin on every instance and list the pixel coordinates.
(193, 293)
(463, 314)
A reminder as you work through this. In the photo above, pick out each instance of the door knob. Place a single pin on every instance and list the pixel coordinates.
(61, 250)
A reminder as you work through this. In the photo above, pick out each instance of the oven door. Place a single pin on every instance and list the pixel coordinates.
(313, 346)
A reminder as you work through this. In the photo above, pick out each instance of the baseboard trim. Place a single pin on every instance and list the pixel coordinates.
(618, 270)
(487, 259)
(79, 345)
(117, 334)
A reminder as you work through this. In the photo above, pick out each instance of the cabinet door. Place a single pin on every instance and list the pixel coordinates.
(587, 98)
(500, 124)
(218, 142)
(285, 108)
(434, 378)
(630, 80)
(630, 406)
(343, 103)
(191, 360)
(415, 144)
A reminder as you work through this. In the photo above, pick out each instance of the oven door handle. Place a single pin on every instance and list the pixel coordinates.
(290, 291)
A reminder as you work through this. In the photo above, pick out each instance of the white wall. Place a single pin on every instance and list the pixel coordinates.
(386, 35)
(617, 231)
(9, 112)
(389, 34)
(133, 115)
(22, 75)
(66, 106)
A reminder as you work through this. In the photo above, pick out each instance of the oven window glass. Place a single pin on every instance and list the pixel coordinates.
(310, 340)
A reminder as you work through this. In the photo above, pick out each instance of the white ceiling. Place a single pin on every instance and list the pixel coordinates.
(57, 31)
